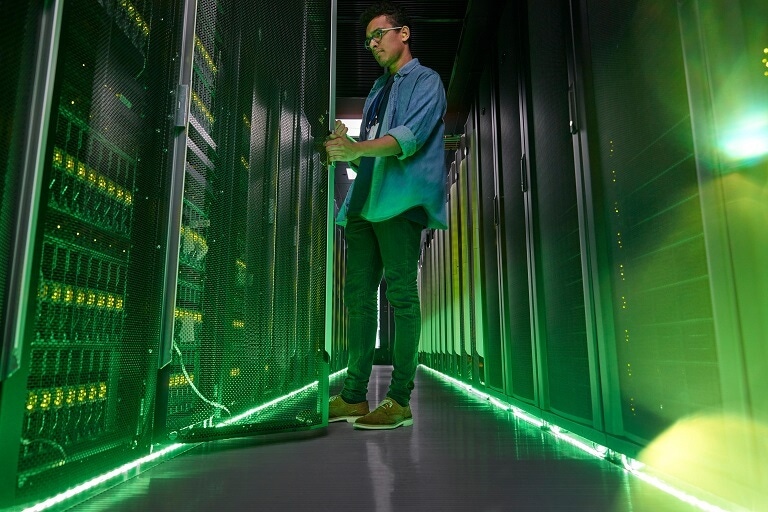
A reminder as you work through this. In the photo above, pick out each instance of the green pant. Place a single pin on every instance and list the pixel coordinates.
(391, 247)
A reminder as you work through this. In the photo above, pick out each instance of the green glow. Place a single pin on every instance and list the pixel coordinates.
(517, 412)
(598, 451)
(90, 484)
(748, 140)
(682, 496)
(630, 465)
(271, 403)
(124, 469)
(260, 408)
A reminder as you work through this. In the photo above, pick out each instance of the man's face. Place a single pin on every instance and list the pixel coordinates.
(387, 49)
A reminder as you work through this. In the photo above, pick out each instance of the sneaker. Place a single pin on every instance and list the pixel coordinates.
(339, 410)
(389, 414)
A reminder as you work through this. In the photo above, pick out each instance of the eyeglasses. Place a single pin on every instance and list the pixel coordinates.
(377, 35)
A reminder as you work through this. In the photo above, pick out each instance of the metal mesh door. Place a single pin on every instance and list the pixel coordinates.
(249, 335)
(96, 317)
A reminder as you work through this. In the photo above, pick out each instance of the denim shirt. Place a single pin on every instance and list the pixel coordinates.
(416, 177)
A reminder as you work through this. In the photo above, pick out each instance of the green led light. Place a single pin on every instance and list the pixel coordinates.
(682, 496)
(630, 465)
(271, 403)
(122, 470)
(90, 484)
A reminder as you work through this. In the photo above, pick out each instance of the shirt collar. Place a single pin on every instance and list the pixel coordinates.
(407, 67)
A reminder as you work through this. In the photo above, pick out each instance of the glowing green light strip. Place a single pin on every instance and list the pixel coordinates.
(122, 470)
(677, 493)
(275, 401)
(260, 408)
(631, 466)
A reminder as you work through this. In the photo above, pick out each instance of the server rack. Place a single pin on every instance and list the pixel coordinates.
(564, 340)
(226, 236)
(250, 312)
(87, 369)
(468, 364)
(454, 265)
(339, 348)
(485, 174)
(475, 215)
(29, 57)
(519, 356)
(425, 297)
(630, 182)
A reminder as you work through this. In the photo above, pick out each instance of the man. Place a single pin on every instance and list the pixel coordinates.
(399, 191)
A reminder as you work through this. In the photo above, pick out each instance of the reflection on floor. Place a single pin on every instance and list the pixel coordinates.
(460, 454)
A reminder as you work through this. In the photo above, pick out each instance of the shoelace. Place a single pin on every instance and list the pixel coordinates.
(387, 403)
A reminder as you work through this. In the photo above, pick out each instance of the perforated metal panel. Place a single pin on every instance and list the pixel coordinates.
(339, 348)
(557, 247)
(516, 313)
(249, 336)
(487, 215)
(468, 362)
(96, 319)
(662, 315)
(17, 59)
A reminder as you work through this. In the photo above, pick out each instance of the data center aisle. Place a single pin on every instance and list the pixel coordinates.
(460, 454)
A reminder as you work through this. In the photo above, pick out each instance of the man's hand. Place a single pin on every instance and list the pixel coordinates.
(339, 147)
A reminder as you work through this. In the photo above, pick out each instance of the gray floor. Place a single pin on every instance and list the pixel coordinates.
(460, 454)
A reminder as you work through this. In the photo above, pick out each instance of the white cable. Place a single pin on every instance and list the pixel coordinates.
(189, 381)
(27, 442)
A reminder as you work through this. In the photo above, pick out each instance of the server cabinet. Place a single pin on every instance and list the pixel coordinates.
(468, 360)
(29, 42)
(477, 259)
(660, 323)
(515, 315)
(182, 226)
(566, 360)
(446, 339)
(725, 49)
(484, 174)
(339, 349)
(386, 334)
(454, 283)
(90, 352)
(250, 302)
(427, 297)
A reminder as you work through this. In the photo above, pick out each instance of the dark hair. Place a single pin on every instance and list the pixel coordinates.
(395, 14)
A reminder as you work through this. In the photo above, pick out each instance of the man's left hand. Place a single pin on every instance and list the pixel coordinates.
(340, 148)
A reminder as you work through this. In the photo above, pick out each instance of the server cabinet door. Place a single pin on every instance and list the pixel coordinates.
(29, 39)
(567, 375)
(248, 348)
(515, 312)
(487, 214)
(476, 214)
(468, 360)
(89, 367)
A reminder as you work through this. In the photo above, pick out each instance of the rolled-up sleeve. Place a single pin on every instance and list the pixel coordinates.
(425, 110)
